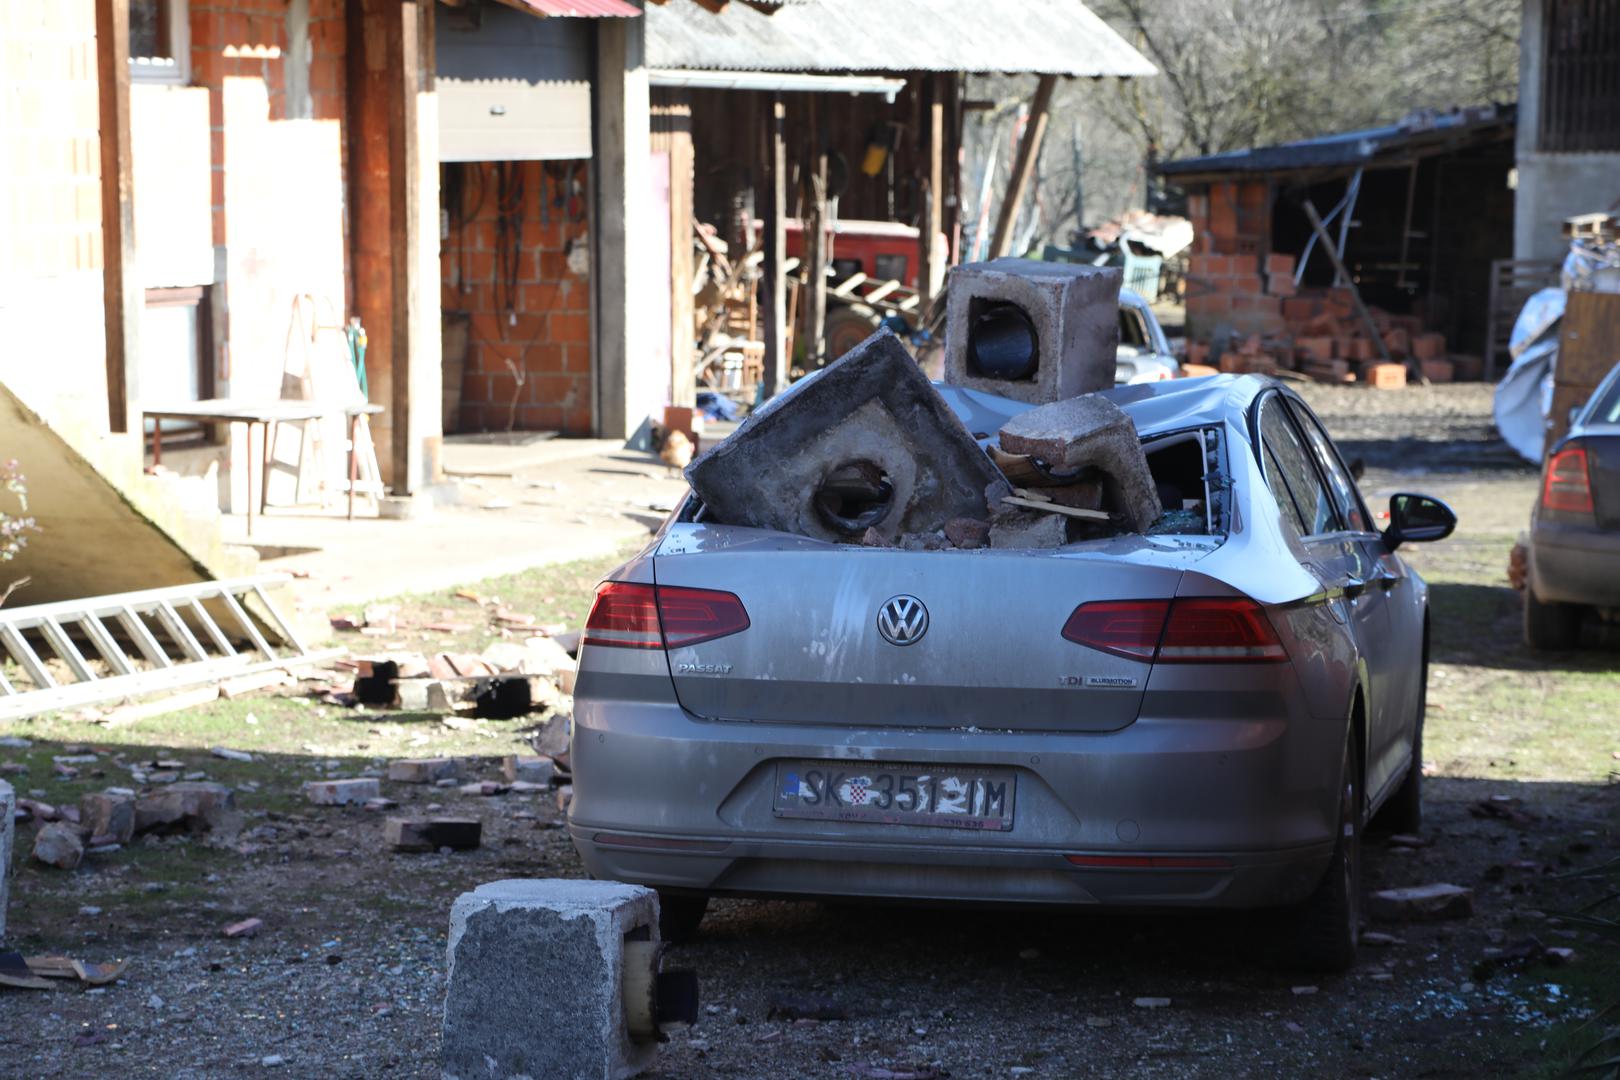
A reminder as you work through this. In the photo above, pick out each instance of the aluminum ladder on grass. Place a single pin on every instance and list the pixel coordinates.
(136, 660)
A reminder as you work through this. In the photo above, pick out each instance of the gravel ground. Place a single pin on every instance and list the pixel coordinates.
(346, 979)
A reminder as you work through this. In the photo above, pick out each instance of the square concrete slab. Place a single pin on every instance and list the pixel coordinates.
(534, 980)
(866, 443)
(1033, 331)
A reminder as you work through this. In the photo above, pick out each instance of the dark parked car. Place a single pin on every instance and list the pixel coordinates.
(1575, 526)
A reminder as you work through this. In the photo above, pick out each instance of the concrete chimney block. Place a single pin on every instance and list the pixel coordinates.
(1032, 331)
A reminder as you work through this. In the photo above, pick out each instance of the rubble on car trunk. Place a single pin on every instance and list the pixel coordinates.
(866, 443)
(868, 452)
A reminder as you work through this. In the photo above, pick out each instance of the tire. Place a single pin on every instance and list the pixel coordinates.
(848, 325)
(1327, 926)
(679, 915)
(1550, 626)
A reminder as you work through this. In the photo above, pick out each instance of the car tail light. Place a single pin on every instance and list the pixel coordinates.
(1189, 630)
(632, 616)
(1566, 486)
(1218, 629)
(691, 616)
(1128, 628)
(624, 615)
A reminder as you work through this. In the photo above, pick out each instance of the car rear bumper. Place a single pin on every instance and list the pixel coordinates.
(1574, 565)
(664, 799)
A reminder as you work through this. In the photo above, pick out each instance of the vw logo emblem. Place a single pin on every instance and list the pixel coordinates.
(902, 620)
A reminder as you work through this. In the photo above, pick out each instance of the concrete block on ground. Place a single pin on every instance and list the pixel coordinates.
(532, 770)
(423, 770)
(195, 804)
(58, 845)
(342, 792)
(867, 442)
(1032, 331)
(431, 834)
(535, 969)
(107, 814)
(1090, 432)
(8, 837)
(1421, 903)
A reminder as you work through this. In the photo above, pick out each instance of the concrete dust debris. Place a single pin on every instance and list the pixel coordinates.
(244, 929)
(1152, 1003)
(866, 442)
(230, 755)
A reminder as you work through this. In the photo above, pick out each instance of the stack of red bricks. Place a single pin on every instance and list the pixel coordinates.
(1313, 331)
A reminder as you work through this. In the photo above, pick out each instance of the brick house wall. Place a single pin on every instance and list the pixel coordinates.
(529, 310)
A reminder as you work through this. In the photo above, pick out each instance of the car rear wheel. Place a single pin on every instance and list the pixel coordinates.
(1550, 625)
(1327, 926)
(679, 915)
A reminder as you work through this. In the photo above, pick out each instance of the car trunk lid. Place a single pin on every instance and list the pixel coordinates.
(991, 655)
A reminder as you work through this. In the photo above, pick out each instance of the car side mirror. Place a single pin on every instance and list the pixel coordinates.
(1417, 519)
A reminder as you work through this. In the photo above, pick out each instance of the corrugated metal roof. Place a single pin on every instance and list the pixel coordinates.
(583, 9)
(1047, 37)
(1350, 149)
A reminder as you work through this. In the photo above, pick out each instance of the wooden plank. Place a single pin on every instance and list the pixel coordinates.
(1055, 508)
(121, 295)
(851, 283)
(1590, 334)
(1023, 167)
(817, 256)
(929, 271)
(880, 292)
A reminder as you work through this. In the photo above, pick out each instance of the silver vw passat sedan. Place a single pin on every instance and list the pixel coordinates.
(1204, 716)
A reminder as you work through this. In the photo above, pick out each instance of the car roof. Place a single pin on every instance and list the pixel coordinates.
(1166, 405)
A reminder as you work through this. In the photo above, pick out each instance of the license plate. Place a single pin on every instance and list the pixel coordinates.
(952, 798)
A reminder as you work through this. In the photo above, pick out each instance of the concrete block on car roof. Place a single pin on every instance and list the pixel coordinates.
(865, 443)
(534, 980)
(1090, 432)
(1032, 331)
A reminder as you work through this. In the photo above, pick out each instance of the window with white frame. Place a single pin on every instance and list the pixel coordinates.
(159, 41)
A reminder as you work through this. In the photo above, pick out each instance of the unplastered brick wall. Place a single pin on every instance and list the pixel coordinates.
(250, 39)
(1231, 285)
(521, 277)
